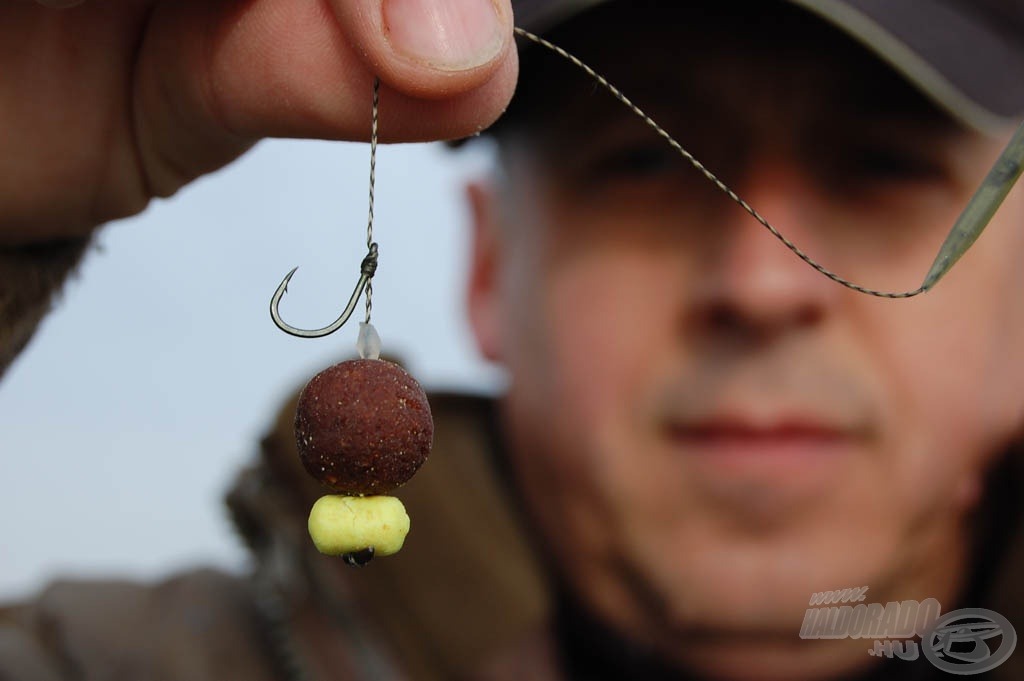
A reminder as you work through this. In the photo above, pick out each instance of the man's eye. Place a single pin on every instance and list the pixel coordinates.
(892, 165)
(636, 162)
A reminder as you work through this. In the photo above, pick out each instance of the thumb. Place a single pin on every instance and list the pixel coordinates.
(428, 48)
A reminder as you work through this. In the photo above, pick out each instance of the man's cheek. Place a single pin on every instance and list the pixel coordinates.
(936, 383)
(940, 429)
(596, 343)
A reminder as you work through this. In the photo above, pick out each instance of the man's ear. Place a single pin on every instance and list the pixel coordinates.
(484, 294)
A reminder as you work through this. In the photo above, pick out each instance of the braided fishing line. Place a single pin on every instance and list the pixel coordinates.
(972, 221)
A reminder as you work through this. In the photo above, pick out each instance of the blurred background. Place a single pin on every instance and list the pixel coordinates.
(152, 381)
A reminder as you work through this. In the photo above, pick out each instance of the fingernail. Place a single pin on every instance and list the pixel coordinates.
(452, 35)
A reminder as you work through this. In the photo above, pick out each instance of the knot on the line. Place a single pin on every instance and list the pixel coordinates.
(369, 265)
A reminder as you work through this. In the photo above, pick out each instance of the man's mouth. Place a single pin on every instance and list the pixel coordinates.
(764, 470)
(762, 442)
(792, 447)
(733, 433)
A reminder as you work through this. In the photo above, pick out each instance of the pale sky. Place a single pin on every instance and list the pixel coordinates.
(155, 376)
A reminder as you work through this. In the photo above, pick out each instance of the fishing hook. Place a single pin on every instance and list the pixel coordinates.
(366, 272)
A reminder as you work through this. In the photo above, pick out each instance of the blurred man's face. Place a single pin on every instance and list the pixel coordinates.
(707, 430)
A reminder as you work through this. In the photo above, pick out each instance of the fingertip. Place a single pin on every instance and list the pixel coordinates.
(447, 35)
(431, 49)
(406, 118)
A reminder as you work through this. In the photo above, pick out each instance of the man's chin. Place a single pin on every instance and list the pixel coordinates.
(735, 612)
(761, 583)
(770, 658)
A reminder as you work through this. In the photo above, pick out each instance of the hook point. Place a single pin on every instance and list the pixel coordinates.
(288, 278)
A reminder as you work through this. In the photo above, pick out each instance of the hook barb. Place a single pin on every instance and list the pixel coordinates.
(367, 270)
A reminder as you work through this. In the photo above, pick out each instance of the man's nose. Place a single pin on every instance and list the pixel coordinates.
(751, 281)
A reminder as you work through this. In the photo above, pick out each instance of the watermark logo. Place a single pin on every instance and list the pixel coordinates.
(894, 620)
(964, 642)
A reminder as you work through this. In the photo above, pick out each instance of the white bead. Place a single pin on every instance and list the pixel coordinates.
(368, 343)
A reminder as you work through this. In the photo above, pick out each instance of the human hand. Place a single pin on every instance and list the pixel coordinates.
(105, 104)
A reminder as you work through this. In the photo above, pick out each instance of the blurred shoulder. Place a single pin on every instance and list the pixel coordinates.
(196, 625)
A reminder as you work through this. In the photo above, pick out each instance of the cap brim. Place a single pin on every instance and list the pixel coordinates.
(966, 65)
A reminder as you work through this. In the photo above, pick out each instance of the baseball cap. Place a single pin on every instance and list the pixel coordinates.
(965, 55)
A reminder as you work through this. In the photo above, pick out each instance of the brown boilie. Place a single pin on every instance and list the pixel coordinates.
(363, 427)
